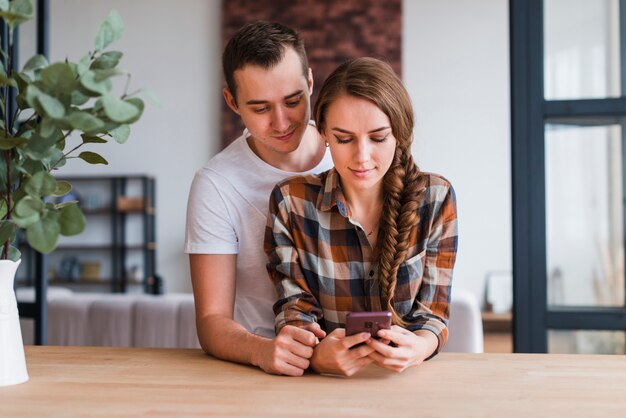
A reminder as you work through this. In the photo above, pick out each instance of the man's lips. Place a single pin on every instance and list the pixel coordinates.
(284, 137)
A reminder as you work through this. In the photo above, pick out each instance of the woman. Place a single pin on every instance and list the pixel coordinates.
(374, 233)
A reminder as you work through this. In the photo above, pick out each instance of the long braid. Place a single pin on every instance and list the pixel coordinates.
(398, 221)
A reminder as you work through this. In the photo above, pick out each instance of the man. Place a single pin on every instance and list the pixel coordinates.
(269, 84)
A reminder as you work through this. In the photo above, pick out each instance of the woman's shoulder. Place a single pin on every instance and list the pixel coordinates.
(302, 181)
(433, 186)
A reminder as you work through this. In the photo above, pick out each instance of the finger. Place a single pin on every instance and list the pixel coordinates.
(316, 329)
(352, 340)
(397, 336)
(358, 365)
(300, 350)
(297, 361)
(384, 349)
(290, 370)
(361, 352)
(302, 335)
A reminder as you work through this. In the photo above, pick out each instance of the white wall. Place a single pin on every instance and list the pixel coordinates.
(171, 48)
(456, 68)
(455, 57)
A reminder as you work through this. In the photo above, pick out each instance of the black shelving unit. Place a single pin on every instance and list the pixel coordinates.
(118, 203)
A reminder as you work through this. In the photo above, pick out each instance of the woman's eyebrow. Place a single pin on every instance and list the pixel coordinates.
(382, 128)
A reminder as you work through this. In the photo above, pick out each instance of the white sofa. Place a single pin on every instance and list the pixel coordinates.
(128, 320)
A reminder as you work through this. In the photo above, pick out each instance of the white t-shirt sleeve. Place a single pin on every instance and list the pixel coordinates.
(209, 228)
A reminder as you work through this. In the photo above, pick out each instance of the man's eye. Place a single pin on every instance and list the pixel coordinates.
(293, 103)
(259, 109)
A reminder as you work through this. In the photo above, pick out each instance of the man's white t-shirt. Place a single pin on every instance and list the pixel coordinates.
(227, 213)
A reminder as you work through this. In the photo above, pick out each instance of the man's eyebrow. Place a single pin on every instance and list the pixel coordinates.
(261, 102)
(382, 128)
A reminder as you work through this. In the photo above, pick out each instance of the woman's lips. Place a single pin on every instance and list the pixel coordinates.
(361, 173)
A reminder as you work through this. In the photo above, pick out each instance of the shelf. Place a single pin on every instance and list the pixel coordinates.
(497, 322)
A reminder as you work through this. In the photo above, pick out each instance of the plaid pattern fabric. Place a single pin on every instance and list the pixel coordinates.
(321, 261)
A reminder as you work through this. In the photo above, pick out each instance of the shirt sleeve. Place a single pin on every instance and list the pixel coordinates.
(431, 307)
(209, 227)
(296, 304)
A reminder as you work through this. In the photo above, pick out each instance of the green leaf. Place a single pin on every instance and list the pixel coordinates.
(14, 253)
(27, 211)
(92, 139)
(119, 110)
(7, 230)
(88, 81)
(83, 64)
(106, 61)
(41, 184)
(4, 5)
(63, 188)
(19, 11)
(44, 103)
(138, 103)
(84, 121)
(7, 81)
(10, 143)
(77, 98)
(121, 133)
(92, 158)
(51, 106)
(58, 78)
(35, 62)
(72, 221)
(110, 30)
(47, 127)
(44, 234)
(39, 147)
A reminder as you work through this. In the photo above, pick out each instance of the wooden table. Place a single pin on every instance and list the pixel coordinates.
(113, 382)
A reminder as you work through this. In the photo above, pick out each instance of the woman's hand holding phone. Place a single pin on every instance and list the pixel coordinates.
(408, 348)
(337, 353)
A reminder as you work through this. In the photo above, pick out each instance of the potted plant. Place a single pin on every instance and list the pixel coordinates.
(61, 111)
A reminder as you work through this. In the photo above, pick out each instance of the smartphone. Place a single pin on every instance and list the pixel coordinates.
(371, 322)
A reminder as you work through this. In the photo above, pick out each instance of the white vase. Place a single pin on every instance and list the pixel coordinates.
(12, 361)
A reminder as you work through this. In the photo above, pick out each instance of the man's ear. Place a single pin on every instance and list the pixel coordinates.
(310, 81)
(230, 100)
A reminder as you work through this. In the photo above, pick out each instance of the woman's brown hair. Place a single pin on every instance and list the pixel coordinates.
(374, 80)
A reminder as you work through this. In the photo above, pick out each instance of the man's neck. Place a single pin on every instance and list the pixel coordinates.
(306, 157)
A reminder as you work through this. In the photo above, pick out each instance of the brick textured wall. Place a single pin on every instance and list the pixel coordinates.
(333, 31)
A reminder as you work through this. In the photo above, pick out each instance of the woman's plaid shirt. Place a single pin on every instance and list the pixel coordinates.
(321, 261)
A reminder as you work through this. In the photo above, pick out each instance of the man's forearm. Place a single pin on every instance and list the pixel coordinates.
(225, 339)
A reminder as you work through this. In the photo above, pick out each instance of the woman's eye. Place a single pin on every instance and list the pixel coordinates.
(379, 139)
(342, 140)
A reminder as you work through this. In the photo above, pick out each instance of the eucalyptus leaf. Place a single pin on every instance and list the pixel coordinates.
(89, 82)
(92, 139)
(110, 30)
(63, 188)
(150, 95)
(71, 220)
(41, 184)
(47, 127)
(4, 5)
(44, 234)
(28, 211)
(10, 143)
(101, 75)
(139, 104)
(14, 253)
(106, 61)
(40, 147)
(35, 62)
(7, 231)
(19, 11)
(92, 158)
(78, 98)
(7, 81)
(84, 121)
(119, 110)
(58, 77)
(51, 106)
(121, 133)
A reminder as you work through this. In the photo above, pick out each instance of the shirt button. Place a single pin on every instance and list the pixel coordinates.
(371, 273)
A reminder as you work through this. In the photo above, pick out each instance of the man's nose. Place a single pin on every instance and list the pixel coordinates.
(280, 121)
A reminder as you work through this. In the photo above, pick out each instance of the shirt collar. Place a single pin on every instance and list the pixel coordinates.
(332, 194)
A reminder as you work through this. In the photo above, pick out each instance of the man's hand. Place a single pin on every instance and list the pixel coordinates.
(408, 348)
(338, 354)
(290, 351)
